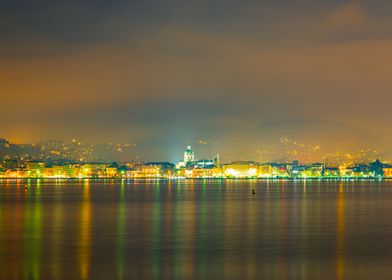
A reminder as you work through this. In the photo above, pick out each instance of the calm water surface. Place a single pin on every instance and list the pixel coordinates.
(197, 229)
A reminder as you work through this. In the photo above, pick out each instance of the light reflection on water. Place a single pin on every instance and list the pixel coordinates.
(85, 235)
(199, 229)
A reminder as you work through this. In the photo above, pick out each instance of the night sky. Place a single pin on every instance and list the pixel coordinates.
(233, 76)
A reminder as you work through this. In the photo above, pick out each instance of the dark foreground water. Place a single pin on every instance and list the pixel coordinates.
(195, 230)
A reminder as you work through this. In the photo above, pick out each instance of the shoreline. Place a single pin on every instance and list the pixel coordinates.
(202, 178)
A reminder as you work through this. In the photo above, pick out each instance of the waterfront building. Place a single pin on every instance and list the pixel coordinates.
(240, 169)
(180, 172)
(111, 171)
(48, 172)
(307, 171)
(331, 172)
(315, 170)
(10, 164)
(148, 171)
(363, 170)
(67, 171)
(35, 168)
(265, 170)
(346, 171)
(280, 170)
(376, 168)
(9, 173)
(86, 171)
(205, 163)
(93, 170)
(200, 172)
(166, 169)
(204, 168)
(387, 171)
(58, 171)
(189, 156)
(71, 170)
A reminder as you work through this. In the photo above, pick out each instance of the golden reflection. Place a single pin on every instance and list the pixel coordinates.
(121, 226)
(282, 223)
(85, 237)
(251, 217)
(201, 238)
(156, 233)
(340, 234)
(169, 186)
(56, 237)
(305, 221)
(12, 223)
(168, 227)
(32, 233)
(178, 233)
(189, 218)
(228, 219)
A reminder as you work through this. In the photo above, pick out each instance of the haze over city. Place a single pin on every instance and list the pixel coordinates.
(235, 76)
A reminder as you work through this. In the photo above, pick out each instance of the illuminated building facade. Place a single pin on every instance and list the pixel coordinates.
(331, 172)
(387, 171)
(111, 171)
(191, 168)
(189, 156)
(307, 171)
(240, 169)
(265, 170)
(35, 168)
(148, 171)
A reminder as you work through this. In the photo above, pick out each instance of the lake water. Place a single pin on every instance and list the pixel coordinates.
(195, 229)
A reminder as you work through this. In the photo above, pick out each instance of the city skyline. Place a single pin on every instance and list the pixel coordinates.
(76, 151)
(190, 167)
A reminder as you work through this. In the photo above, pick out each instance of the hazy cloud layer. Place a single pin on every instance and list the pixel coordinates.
(121, 71)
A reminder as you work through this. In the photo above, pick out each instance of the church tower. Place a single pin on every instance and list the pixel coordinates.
(189, 156)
